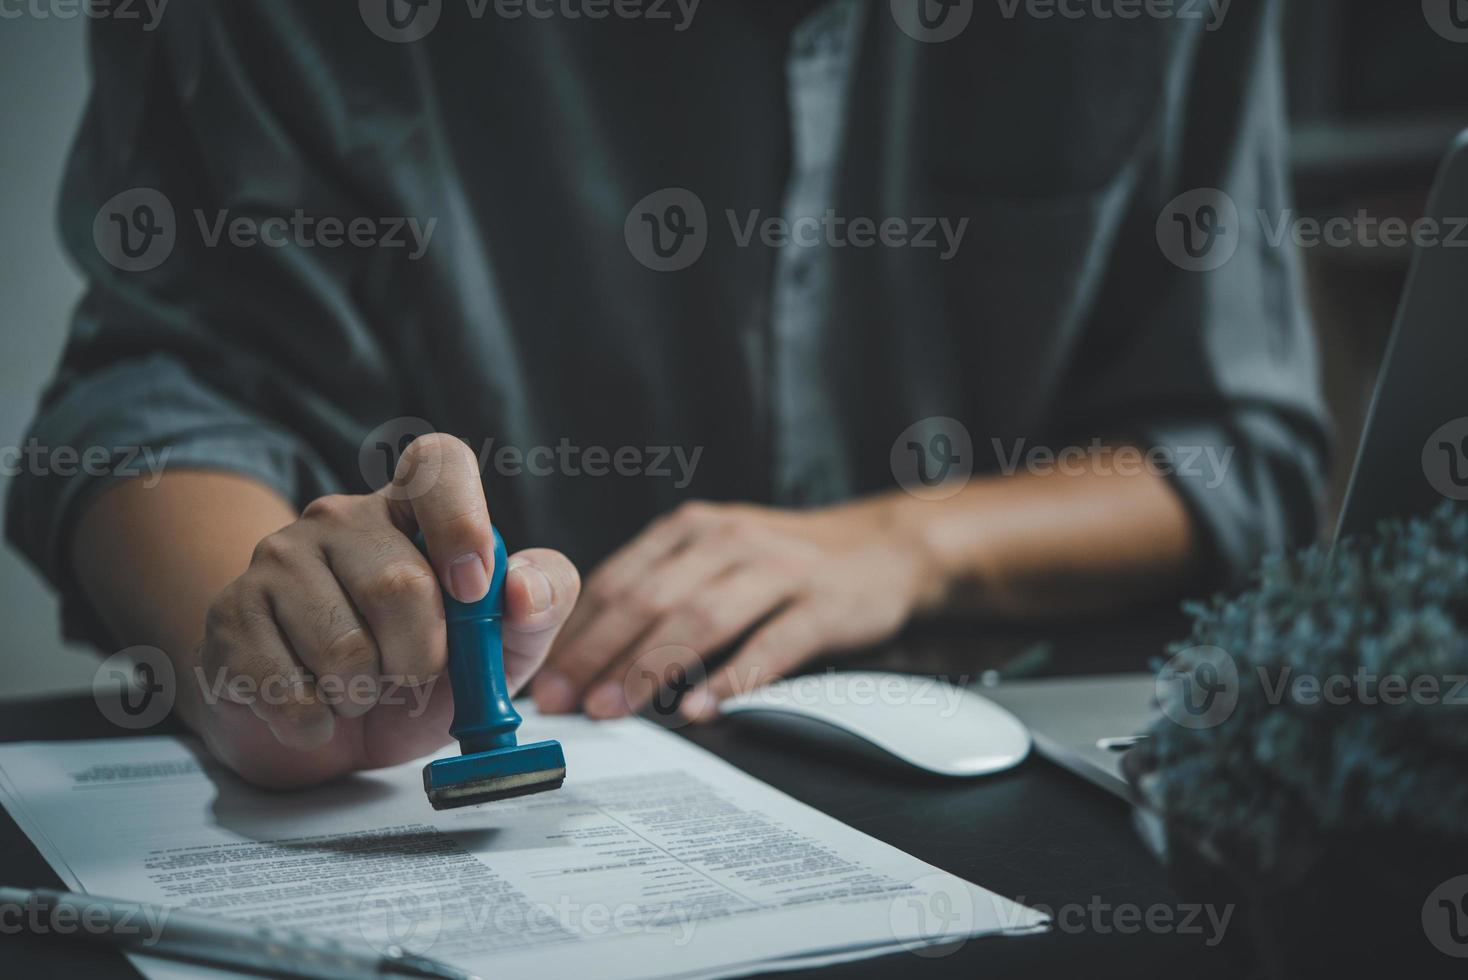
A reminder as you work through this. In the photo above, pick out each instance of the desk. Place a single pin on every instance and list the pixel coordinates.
(1036, 834)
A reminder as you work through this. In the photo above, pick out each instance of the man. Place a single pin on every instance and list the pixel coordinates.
(890, 285)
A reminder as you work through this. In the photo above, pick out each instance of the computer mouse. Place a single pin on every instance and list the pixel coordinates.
(920, 721)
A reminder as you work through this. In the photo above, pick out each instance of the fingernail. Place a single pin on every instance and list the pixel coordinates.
(698, 705)
(468, 579)
(553, 694)
(606, 702)
(537, 585)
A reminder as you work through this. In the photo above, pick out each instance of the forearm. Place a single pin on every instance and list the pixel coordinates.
(150, 560)
(1052, 544)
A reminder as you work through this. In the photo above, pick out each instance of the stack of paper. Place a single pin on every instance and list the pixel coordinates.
(657, 859)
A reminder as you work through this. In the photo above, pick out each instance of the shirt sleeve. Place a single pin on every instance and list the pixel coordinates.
(1201, 349)
(185, 353)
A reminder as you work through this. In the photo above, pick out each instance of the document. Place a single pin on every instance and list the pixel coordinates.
(656, 859)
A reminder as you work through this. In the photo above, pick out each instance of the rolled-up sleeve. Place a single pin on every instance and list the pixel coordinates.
(136, 419)
(198, 357)
(1202, 350)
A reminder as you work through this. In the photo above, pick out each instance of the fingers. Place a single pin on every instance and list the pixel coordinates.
(330, 639)
(541, 589)
(582, 666)
(631, 564)
(396, 593)
(578, 658)
(436, 489)
(339, 612)
(702, 625)
(248, 658)
(663, 672)
(674, 558)
(663, 536)
(784, 643)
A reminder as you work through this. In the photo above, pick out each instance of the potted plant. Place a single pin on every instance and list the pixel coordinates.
(1311, 764)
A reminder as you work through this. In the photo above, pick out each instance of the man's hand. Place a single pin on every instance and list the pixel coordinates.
(791, 586)
(327, 654)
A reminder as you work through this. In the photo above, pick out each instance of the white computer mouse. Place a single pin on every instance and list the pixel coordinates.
(921, 721)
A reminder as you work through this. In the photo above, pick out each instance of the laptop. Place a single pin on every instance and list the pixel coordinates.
(1413, 453)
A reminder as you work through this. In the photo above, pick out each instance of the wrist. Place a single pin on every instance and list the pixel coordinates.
(906, 525)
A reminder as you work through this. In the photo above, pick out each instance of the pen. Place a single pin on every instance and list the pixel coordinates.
(1120, 743)
(158, 930)
(1026, 664)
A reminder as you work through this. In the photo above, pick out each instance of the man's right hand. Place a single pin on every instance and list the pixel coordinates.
(327, 654)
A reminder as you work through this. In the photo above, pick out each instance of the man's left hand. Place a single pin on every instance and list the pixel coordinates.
(786, 586)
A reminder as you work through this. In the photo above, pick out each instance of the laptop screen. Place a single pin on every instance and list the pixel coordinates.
(1414, 452)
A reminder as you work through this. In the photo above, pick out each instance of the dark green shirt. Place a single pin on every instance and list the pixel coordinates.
(969, 243)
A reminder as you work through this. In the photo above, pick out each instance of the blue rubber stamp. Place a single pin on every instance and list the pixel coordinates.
(491, 766)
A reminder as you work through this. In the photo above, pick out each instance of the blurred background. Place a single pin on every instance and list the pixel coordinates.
(43, 71)
(1376, 94)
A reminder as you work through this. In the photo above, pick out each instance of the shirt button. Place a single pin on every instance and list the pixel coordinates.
(800, 272)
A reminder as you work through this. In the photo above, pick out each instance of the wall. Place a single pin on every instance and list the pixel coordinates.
(43, 76)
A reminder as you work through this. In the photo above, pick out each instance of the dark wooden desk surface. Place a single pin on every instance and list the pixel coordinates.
(1036, 834)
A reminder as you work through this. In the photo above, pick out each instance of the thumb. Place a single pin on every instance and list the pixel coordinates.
(541, 588)
(436, 489)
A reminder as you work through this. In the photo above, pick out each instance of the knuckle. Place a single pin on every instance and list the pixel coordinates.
(470, 525)
(232, 611)
(274, 549)
(645, 600)
(414, 663)
(702, 616)
(741, 533)
(335, 508)
(380, 546)
(696, 512)
(351, 653)
(253, 618)
(403, 583)
(259, 667)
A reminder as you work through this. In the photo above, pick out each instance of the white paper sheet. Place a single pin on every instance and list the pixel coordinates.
(656, 859)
